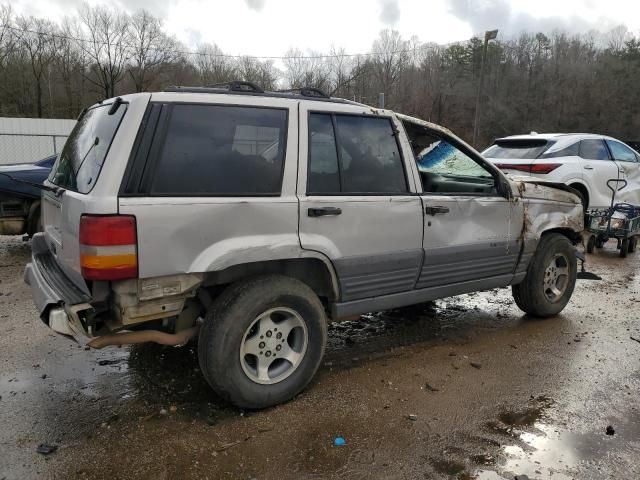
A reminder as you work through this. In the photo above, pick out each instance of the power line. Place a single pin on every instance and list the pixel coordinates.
(225, 55)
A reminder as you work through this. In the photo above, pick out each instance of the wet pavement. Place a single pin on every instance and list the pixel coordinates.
(462, 388)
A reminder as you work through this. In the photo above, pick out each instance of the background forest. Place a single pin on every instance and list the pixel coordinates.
(536, 81)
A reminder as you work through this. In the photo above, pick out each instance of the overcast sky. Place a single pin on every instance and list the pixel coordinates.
(270, 27)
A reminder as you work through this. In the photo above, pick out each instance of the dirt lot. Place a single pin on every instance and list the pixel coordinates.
(464, 388)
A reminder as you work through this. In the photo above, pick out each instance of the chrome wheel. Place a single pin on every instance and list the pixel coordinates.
(274, 345)
(556, 277)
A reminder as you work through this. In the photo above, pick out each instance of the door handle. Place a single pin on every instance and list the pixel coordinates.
(324, 212)
(588, 167)
(435, 210)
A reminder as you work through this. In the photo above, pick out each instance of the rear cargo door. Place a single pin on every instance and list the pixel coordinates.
(96, 140)
(357, 203)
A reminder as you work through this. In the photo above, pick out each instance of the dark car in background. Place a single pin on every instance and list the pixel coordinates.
(19, 199)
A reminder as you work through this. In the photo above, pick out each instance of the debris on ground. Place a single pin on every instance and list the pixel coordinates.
(520, 477)
(610, 430)
(635, 339)
(477, 365)
(412, 417)
(430, 388)
(339, 441)
(46, 449)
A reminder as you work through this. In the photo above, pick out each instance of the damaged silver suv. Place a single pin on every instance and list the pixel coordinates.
(249, 218)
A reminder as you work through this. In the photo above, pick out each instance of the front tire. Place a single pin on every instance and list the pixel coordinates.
(550, 279)
(262, 341)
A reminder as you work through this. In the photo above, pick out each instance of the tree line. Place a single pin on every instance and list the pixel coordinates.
(534, 81)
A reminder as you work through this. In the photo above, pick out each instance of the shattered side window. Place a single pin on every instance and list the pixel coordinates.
(443, 158)
(444, 168)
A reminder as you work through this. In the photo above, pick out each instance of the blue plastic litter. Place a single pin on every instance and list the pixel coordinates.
(339, 442)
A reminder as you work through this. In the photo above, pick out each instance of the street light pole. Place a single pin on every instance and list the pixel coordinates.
(488, 35)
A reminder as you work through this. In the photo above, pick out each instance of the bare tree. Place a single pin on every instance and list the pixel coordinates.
(69, 63)
(107, 46)
(390, 58)
(309, 70)
(7, 38)
(150, 49)
(35, 36)
(212, 65)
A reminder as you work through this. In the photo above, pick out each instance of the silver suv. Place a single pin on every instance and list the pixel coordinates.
(249, 218)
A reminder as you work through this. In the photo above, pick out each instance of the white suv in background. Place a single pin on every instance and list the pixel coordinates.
(582, 161)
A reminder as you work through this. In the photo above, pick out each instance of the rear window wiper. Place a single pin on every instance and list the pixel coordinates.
(41, 186)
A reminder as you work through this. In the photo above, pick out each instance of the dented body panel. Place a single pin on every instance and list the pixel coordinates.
(379, 251)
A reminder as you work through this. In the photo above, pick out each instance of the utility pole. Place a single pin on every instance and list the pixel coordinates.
(488, 35)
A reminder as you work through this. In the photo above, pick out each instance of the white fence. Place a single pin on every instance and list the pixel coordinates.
(27, 140)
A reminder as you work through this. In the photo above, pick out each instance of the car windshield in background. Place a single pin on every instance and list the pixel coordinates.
(515, 149)
(84, 152)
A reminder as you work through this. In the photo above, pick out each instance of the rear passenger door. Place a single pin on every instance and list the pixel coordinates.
(471, 229)
(357, 203)
(598, 168)
(629, 166)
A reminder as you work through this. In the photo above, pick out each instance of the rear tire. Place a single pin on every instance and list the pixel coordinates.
(591, 244)
(624, 247)
(633, 242)
(245, 320)
(550, 279)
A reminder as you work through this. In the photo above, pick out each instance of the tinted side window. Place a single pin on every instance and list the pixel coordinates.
(323, 176)
(353, 154)
(369, 155)
(224, 150)
(621, 152)
(570, 151)
(593, 150)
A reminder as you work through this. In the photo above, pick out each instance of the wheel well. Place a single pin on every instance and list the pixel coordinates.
(311, 271)
(573, 236)
(583, 191)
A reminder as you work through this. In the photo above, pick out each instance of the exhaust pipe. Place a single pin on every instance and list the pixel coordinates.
(145, 336)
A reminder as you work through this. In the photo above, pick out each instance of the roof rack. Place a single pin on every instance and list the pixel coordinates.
(307, 92)
(238, 86)
(248, 88)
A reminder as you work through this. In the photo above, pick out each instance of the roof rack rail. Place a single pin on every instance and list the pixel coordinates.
(307, 92)
(251, 89)
(238, 86)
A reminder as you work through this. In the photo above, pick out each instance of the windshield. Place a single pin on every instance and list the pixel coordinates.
(84, 152)
(516, 149)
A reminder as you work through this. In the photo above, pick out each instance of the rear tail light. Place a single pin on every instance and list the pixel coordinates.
(515, 166)
(544, 167)
(529, 167)
(108, 247)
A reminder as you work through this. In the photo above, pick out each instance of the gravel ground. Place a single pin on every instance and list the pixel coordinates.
(463, 388)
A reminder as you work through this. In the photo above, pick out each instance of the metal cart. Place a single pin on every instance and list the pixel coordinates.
(620, 221)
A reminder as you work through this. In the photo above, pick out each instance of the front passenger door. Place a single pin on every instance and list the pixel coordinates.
(471, 230)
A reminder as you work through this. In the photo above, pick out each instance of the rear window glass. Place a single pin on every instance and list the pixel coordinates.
(222, 150)
(85, 150)
(515, 149)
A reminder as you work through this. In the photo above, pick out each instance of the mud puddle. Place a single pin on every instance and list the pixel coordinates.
(536, 446)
